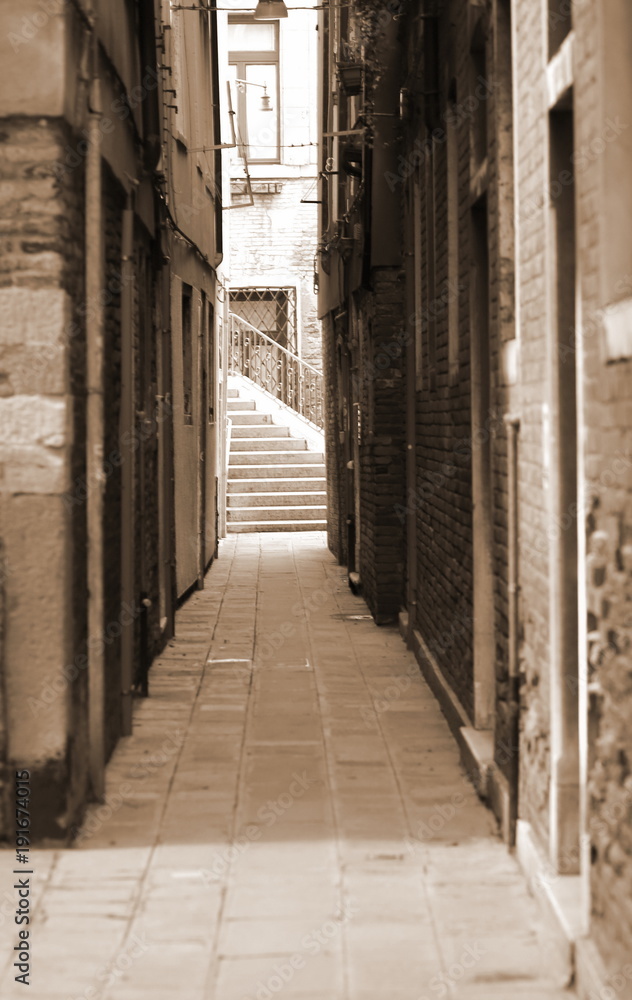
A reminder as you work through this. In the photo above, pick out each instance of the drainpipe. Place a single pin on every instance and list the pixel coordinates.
(126, 448)
(512, 423)
(94, 275)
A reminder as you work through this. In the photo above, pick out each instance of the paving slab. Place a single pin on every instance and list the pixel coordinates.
(299, 823)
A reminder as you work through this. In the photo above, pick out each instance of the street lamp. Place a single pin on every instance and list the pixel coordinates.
(270, 10)
(266, 104)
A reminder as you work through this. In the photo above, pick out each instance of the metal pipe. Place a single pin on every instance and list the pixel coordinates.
(512, 424)
(127, 451)
(95, 326)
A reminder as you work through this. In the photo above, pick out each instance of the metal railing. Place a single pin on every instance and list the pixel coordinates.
(280, 372)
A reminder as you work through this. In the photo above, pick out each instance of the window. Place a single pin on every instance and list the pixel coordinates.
(187, 354)
(270, 310)
(254, 60)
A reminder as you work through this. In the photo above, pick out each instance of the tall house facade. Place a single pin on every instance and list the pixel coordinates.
(111, 244)
(272, 78)
(475, 296)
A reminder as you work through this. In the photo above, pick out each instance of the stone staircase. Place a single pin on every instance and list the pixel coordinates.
(275, 482)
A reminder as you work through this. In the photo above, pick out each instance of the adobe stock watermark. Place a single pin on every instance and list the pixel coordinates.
(32, 24)
(452, 118)
(98, 815)
(614, 985)
(579, 162)
(390, 351)
(120, 108)
(442, 985)
(271, 642)
(400, 684)
(267, 815)
(50, 691)
(109, 974)
(311, 945)
(131, 441)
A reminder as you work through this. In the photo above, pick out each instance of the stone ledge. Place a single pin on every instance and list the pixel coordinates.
(450, 705)
(559, 900)
(573, 955)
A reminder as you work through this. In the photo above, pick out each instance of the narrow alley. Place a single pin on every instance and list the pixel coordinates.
(288, 818)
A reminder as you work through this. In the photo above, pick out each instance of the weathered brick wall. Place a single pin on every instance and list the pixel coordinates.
(442, 495)
(114, 203)
(336, 536)
(146, 465)
(530, 98)
(382, 397)
(43, 536)
(607, 417)
(278, 236)
(503, 396)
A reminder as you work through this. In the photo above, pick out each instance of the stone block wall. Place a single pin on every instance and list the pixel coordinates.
(43, 539)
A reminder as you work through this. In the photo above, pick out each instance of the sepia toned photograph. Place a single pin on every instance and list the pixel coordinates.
(316, 500)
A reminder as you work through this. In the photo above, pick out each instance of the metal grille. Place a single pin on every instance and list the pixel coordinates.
(275, 369)
(270, 310)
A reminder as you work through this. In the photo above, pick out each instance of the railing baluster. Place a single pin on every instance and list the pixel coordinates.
(279, 371)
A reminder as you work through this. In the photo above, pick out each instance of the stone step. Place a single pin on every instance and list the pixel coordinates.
(270, 459)
(267, 444)
(253, 419)
(298, 484)
(233, 394)
(240, 404)
(239, 501)
(244, 526)
(276, 513)
(275, 483)
(263, 431)
(277, 471)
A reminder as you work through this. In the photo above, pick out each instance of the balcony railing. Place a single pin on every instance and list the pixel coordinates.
(280, 372)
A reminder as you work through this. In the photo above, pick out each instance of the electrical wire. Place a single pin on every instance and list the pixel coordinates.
(250, 10)
(257, 145)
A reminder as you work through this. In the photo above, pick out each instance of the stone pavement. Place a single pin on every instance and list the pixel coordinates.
(289, 819)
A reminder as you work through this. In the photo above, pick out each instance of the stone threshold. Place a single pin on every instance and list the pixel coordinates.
(577, 960)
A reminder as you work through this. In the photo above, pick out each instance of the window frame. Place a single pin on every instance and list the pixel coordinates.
(241, 59)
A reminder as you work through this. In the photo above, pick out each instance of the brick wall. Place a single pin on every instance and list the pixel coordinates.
(502, 330)
(114, 202)
(607, 418)
(146, 485)
(443, 475)
(382, 396)
(336, 473)
(530, 56)
(277, 236)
